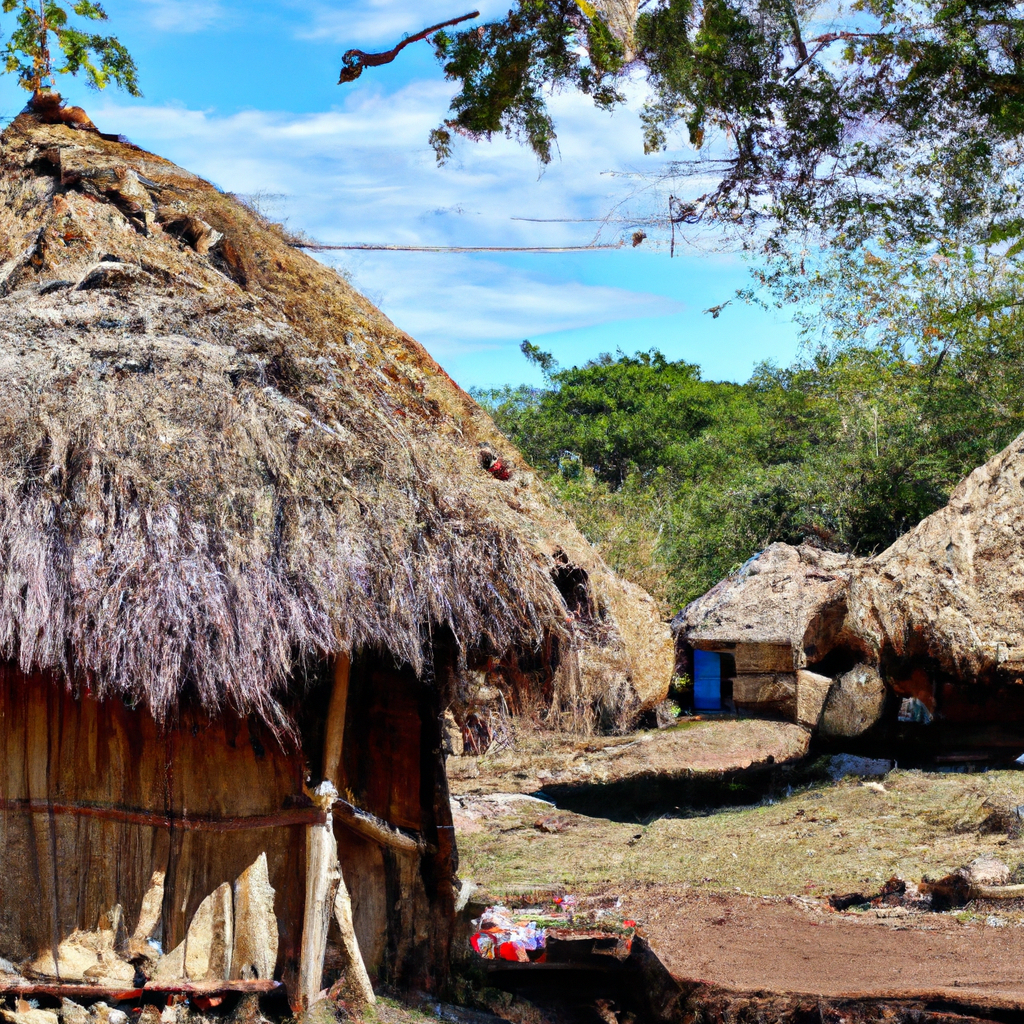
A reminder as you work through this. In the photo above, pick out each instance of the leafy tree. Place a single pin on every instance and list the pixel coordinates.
(884, 115)
(847, 448)
(28, 53)
(506, 67)
(615, 416)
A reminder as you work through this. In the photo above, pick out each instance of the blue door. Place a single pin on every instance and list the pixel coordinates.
(707, 681)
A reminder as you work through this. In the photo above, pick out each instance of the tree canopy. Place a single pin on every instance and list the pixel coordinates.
(679, 480)
(100, 57)
(898, 115)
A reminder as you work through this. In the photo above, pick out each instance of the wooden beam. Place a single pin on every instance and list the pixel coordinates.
(372, 827)
(334, 739)
(214, 987)
(151, 819)
(73, 990)
(997, 892)
(324, 878)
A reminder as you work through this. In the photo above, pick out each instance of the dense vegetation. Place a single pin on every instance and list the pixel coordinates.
(679, 479)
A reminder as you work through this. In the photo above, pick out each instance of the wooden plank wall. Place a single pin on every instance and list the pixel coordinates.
(403, 903)
(59, 748)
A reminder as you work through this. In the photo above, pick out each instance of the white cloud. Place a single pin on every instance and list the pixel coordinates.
(364, 173)
(183, 15)
(459, 303)
(358, 23)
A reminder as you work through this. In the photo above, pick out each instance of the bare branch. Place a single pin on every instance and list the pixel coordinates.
(354, 61)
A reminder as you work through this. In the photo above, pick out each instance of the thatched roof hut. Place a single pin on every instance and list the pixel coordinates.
(252, 537)
(951, 590)
(937, 616)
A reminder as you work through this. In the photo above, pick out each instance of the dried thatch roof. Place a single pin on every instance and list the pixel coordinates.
(950, 592)
(776, 597)
(952, 589)
(216, 457)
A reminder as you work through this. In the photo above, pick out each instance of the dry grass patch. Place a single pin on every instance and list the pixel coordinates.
(828, 838)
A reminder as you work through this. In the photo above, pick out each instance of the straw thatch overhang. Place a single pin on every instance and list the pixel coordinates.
(218, 461)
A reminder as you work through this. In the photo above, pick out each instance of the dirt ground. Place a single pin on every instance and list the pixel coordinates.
(785, 945)
(709, 745)
(738, 897)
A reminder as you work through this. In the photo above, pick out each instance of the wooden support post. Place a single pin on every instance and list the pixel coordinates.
(326, 892)
(322, 878)
(334, 739)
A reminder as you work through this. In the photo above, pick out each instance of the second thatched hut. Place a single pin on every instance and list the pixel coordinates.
(920, 647)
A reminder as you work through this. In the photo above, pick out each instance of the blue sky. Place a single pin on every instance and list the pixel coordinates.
(245, 94)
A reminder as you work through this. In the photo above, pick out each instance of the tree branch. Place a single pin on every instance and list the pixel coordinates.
(354, 61)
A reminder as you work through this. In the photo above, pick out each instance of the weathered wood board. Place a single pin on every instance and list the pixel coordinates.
(79, 754)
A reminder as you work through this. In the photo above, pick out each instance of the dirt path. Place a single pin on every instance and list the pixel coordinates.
(789, 946)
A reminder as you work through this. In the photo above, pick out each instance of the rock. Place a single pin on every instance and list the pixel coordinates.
(89, 956)
(110, 969)
(648, 651)
(553, 823)
(73, 1013)
(771, 691)
(753, 658)
(780, 609)
(811, 691)
(854, 704)
(73, 957)
(100, 1013)
(987, 870)
(950, 591)
(210, 937)
(206, 951)
(841, 765)
(171, 966)
(254, 954)
(452, 735)
(666, 714)
(145, 940)
(30, 1016)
